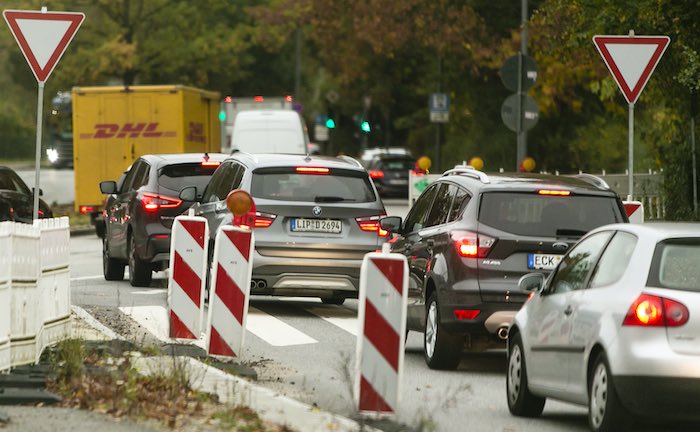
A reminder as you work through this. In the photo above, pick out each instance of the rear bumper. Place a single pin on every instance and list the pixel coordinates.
(666, 397)
(492, 315)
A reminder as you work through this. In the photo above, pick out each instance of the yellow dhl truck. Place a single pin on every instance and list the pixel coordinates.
(113, 126)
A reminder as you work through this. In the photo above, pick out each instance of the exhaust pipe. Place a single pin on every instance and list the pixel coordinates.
(502, 333)
(261, 284)
(253, 284)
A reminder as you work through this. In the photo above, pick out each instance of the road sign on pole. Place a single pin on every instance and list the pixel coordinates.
(631, 60)
(439, 105)
(43, 38)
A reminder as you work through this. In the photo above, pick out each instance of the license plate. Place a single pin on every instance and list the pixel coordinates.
(333, 226)
(543, 261)
(398, 182)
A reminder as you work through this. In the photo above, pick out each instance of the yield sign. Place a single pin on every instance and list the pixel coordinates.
(631, 60)
(43, 37)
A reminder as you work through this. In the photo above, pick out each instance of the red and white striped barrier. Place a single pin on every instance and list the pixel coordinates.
(228, 302)
(188, 262)
(5, 293)
(634, 210)
(382, 324)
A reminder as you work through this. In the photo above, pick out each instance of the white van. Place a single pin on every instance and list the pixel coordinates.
(269, 131)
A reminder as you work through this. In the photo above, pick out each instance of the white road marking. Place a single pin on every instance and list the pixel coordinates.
(158, 291)
(83, 278)
(339, 317)
(274, 331)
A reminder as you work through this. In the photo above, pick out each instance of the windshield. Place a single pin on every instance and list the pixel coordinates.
(536, 215)
(337, 186)
(398, 164)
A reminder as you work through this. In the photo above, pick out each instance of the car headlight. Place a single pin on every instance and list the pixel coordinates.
(52, 155)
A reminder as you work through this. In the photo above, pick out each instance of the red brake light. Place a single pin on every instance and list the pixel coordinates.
(654, 311)
(313, 170)
(472, 245)
(288, 98)
(264, 220)
(554, 192)
(153, 202)
(210, 163)
(258, 98)
(371, 224)
(466, 314)
(228, 99)
(376, 174)
(86, 209)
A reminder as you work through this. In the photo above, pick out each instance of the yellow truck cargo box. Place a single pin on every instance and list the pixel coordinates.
(114, 126)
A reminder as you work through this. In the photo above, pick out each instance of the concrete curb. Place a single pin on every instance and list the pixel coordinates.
(269, 405)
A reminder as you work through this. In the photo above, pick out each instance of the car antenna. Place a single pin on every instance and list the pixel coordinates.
(307, 158)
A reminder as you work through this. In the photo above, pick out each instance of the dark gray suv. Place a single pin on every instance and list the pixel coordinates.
(316, 218)
(469, 237)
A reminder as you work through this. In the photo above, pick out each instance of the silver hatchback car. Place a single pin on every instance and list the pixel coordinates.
(316, 218)
(615, 327)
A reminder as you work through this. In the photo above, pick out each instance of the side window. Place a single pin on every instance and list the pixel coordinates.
(458, 204)
(614, 260)
(416, 218)
(573, 270)
(240, 171)
(441, 205)
(133, 178)
(215, 183)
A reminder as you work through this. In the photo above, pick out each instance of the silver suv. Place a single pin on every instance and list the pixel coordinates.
(316, 218)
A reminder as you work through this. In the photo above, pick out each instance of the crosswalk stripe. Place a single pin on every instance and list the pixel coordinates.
(275, 331)
(342, 318)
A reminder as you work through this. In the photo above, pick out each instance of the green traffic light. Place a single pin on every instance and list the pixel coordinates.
(365, 126)
(330, 123)
(222, 115)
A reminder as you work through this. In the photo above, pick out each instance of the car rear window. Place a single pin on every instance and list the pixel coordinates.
(286, 184)
(532, 214)
(398, 164)
(676, 265)
(177, 176)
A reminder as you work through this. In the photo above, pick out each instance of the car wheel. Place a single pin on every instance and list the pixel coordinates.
(139, 272)
(442, 349)
(605, 411)
(112, 268)
(521, 402)
(333, 300)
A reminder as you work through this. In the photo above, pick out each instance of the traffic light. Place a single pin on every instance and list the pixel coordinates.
(330, 123)
(222, 115)
(365, 126)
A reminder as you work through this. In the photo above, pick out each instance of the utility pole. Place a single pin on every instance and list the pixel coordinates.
(438, 126)
(693, 112)
(522, 135)
(297, 66)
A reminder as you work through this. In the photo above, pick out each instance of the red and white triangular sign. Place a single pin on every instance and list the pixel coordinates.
(631, 60)
(43, 37)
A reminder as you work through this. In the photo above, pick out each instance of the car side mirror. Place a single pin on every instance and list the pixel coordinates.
(531, 282)
(108, 187)
(189, 193)
(391, 224)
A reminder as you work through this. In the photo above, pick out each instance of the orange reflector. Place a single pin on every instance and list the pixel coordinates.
(239, 202)
(466, 314)
(554, 192)
(312, 170)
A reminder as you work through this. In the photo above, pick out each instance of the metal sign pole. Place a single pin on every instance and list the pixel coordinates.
(630, 151)
(39, 122)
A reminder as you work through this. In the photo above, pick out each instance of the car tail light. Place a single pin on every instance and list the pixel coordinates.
(554, 192)
(466, 314)
(371, 224)
(86, 209)
(376, 174)
(264, 220)
(312, 170)
(154, 202)
(210, 163)
(472, 245)
(654, 311)
(258, 99)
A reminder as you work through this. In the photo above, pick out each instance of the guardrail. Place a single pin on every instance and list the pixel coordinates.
(34, 289)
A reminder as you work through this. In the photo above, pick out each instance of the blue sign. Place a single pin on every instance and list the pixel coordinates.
(439, 103)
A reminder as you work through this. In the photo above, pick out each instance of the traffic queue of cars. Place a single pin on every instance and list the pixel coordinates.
(591, 309)
(17, 199)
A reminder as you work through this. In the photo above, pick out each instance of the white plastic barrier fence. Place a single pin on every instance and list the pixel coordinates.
(54, 283)
(5, 293)
(188, 262)
(382, 324)
(26, 314)
(635, 211)
(230, 279)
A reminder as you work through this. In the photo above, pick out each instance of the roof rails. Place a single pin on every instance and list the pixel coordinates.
(592, 179)
(469, 171)
(351, 160)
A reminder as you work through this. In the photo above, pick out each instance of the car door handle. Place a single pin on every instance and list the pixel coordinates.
(569, 310)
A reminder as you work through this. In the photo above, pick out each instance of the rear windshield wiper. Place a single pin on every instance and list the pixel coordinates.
(565, 232)
(331, 199)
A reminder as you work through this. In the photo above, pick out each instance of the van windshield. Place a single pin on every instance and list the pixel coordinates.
(269, 141)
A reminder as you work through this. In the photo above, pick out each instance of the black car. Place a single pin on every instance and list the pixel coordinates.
(140, 216)
(469, 237)
(389, 172)
(17, 200)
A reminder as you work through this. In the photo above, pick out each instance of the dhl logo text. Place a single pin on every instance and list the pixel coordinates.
(127, 130)
(196, 133)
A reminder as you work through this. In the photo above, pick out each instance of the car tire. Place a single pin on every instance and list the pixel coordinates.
(112, 268)
(333, 300)
(139, 272)
(442, 350)
(521, 402)
(605, 411)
